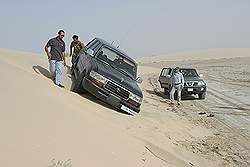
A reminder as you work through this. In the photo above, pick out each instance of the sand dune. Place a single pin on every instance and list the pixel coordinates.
(41, 123)
(198, 55)
(44, 125)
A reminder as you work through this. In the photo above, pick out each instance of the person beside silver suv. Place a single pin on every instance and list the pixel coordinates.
(193, 83)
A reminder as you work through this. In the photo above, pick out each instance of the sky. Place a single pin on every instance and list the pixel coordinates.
(139, 27)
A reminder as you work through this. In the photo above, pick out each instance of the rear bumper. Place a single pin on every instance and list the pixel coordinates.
(194, 90)
(109, 97)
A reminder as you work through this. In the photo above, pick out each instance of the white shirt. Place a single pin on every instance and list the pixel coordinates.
(177, 78)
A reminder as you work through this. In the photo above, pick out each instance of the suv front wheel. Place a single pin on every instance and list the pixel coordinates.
(202, 95)
(77, 88)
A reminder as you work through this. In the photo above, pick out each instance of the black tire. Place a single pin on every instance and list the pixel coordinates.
(202, 95)
(166, 91)
(72, 72)
(73, 68)
(78, 84)
(160, 83)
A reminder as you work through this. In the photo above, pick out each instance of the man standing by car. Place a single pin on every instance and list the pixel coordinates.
(177, 83)
(56, 57)
(77, 46)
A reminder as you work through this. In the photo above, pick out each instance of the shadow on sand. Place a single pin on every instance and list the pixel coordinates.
(40, 70)
(69, 75)
(161, 94)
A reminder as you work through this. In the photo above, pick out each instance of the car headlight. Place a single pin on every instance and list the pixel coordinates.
(98, 77)
(201, 83)
(135, 98)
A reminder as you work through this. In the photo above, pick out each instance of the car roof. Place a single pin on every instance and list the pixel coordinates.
(187, 69)
(181, 68)
(116, 49)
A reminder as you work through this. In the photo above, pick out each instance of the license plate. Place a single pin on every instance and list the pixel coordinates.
(190, 89)
(124, 108)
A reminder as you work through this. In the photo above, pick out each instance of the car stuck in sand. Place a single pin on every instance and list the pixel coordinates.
(109, 74)
(193, 84)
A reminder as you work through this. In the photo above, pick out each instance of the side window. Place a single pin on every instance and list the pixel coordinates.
(97, 47)
(90, 43)
(165, 72)
(169, 72)
(94, 45)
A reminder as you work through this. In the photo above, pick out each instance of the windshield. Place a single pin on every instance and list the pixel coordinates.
(189, 72)
(117, 61)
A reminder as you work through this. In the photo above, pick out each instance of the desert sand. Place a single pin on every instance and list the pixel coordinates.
(44, 125)
(205, 54)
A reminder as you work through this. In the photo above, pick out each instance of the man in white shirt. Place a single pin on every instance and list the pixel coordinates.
(177, 83)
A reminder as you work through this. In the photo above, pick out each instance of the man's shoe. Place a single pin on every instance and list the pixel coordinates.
(61, 86)
(179, 103)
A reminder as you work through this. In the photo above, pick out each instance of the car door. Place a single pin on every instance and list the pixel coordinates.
(164, 77)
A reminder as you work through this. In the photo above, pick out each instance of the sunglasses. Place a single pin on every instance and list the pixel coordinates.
(62, 35)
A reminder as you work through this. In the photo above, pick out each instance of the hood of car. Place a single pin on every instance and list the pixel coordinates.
(118, 77)
(192, 79)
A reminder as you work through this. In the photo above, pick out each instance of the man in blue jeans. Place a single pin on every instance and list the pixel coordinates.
(56, 57)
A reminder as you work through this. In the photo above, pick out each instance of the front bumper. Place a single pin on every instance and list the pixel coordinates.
(109, 97)
(194, 90)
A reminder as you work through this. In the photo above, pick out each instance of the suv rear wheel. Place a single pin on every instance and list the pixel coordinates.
(166, 91)
(202, 95)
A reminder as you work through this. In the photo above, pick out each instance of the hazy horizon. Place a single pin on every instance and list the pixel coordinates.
(140, 28)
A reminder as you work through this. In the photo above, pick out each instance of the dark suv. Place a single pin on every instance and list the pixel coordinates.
(109, 74)
(193, 84)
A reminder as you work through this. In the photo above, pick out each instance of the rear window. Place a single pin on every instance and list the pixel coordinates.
(165, 72)
(189, 72)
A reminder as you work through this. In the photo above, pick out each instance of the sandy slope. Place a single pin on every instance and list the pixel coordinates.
(42, 125)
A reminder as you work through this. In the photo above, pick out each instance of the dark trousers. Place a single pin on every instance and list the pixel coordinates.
(73, 59)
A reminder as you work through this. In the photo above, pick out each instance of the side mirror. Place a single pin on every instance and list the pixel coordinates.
(90, 52)
(139, 80)
(201, 75)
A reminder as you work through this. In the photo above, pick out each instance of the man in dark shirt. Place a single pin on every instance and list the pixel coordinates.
(77, 46)
(56, 57)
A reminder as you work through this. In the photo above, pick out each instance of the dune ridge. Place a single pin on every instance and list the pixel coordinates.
(206, 54)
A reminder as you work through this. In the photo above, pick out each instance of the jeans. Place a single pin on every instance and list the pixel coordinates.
(55, 67)
(173, 89)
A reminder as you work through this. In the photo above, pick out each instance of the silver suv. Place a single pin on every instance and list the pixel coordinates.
(194, 84)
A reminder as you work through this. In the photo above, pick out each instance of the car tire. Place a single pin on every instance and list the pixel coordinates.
(72, 72)
(77, 88)
(202, 95)
(166, 91)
